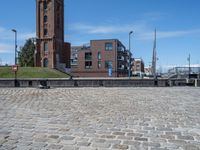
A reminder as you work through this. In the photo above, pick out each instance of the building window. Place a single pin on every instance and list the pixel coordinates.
(75, 56)
(58, 7)
(45, 32)
(108, 46)
(99, 64)
(108, 64)
(88, 56)
(88, 64)
(45, 5)
(99, 56)
(45, 47)
(45, 19)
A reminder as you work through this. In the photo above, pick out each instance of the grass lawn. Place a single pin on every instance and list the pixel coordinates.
(31, 72)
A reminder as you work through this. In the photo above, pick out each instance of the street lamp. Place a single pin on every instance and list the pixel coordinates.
(189, 67)
(15, 68)
(129, 63)
(15, 31)
(34, 40)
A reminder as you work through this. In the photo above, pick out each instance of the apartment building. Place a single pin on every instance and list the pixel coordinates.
(102, 58)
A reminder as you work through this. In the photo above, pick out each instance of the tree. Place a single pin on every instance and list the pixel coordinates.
(26, 54)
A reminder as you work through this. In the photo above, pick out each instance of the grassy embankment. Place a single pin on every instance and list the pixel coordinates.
(31, 72)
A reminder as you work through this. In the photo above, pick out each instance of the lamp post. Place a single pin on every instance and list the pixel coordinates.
(189, 67)
(129, 62)
(15, 31)
(34, 40)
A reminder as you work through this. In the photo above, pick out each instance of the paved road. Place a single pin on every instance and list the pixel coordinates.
(100, 119)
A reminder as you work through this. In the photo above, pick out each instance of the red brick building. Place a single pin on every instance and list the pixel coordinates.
(51, 51)
(138, 67)
(102, 58)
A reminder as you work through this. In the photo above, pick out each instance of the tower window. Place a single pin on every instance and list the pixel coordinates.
(45, 25)
(45, 62)
(58, 15)
(45, 32)
(58, 20)
(45, 47)
(45, 5)
(58, 7)
(45, 19)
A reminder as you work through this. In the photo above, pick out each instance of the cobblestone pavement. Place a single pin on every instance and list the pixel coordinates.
(100, 118)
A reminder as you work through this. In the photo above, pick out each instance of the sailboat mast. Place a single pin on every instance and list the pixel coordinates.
(154, 57)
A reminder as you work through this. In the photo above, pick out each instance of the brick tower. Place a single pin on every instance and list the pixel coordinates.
(51, 50)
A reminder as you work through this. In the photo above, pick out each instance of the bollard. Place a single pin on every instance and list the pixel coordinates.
(196, 83)
(170, 83)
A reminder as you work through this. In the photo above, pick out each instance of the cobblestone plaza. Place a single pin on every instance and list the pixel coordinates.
(100, 118)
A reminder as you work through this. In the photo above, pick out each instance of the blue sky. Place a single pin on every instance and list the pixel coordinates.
(177, 23)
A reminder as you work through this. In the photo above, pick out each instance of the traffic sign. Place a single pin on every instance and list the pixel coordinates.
(14, 68)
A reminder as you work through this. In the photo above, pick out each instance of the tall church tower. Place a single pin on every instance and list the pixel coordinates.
(50, 33)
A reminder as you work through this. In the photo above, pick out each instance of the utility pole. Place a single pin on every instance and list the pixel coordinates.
(34, 40)
(15, 31)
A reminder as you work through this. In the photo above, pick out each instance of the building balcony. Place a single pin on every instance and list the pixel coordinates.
(120, 49)
(74, 63)
(121, 58)
(121, 67)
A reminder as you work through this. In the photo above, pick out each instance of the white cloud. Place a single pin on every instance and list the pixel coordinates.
(1, 29)
(154, 16)
(141, 30)
(167, 34)
(8, 35)
(7, 38)
(177, 33)
(25, 36)
(191, 65)
(104, 29)
(173, 66)
(6, 48)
